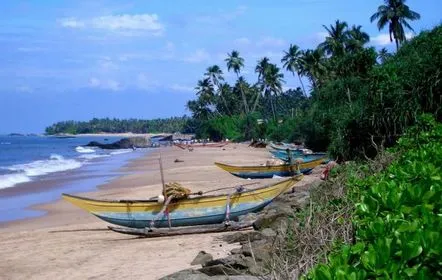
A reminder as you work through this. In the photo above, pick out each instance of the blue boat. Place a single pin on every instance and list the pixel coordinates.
(282, 155)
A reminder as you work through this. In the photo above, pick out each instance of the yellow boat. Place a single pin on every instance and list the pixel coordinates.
(269, 171)
(185, 212)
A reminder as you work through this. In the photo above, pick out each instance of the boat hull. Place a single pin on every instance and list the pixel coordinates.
(282, 155)
(285, 147)
(201, 145)
(262, 172)
(186, 212)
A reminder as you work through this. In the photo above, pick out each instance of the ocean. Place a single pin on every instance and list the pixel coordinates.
(55, 165)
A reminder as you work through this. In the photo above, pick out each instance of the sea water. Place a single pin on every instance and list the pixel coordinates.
(64, 164)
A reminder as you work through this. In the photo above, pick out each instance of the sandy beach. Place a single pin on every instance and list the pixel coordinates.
(70, 243)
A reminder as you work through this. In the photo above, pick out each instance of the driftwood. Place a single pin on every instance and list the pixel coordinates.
(159, 232)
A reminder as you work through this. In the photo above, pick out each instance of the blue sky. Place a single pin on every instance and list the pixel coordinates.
(62, 60)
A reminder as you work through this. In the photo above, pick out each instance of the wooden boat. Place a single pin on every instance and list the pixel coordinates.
(284, 147)
(201, 145)
(282, 155)
(200, 210)
(269, 171)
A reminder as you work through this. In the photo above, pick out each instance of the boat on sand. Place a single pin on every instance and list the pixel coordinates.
(188, 211)
(269, 171)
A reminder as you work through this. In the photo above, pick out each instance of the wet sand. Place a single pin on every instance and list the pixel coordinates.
(70, 243)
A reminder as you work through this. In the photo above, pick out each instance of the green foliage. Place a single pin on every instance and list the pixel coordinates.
(170, 125)
(220, 128)
(356, 106)
(397, 219)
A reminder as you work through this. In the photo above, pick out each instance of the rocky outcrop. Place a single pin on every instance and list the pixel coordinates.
(125, 143)
(250, 260)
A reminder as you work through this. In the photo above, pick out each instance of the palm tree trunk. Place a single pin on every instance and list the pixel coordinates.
(244, 100)
(302, 85)
(256, 102)
(397, 43)
(273, 108)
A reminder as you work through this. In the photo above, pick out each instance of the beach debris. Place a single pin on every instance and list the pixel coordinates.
(178, 160)
(258, 144)
(202, 258)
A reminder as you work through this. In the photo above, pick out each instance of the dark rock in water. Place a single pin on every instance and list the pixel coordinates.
(202, 258)
(15, 134)
(125, 143)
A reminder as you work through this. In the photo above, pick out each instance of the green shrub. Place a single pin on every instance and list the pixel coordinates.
(397, 217)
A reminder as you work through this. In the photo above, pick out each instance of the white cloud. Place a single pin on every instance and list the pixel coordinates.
(104, 84)
(199, 55)
(384, 39)
(144, 82)
(31, 49)
(71, 22)
(170, 46)
(272, 55)
(239, 11)
(243, 41)
(182, 88)
(271, 42)
(24, 89)
(146, 23)
(222, 16)
(106, 64)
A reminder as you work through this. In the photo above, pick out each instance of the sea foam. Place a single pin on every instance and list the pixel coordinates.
(92, 156)
(84, 150)
(55, 163)
(10, 180)
(122, 151)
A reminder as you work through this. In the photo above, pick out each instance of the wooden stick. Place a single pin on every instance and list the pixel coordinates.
(158, 232)
(164, 189)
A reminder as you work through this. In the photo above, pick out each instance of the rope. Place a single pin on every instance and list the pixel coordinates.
(241, 187)
(238, 189)
(152, 223)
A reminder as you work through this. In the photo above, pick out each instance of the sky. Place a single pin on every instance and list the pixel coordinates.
(76, 60)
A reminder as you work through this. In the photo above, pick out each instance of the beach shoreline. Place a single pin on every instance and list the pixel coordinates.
(67, 237)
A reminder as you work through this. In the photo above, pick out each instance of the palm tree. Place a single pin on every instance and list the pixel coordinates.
(215, 74)
(384, 55)
(313, 66)
(335, 41)
(235, 62)
(395, 13)
(271, 84)
(205, 90)
(356, 39)
(261, 67)
(291, 62)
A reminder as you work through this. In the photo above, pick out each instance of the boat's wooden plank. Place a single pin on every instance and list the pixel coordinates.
(159, 232)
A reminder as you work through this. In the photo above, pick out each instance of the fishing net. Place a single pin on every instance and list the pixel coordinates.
(177, 190)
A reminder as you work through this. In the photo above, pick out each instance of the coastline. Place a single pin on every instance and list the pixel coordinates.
(66, 238)
(69, 242)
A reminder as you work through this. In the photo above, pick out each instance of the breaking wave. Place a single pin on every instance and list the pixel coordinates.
(22, 173)
(84, 150)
